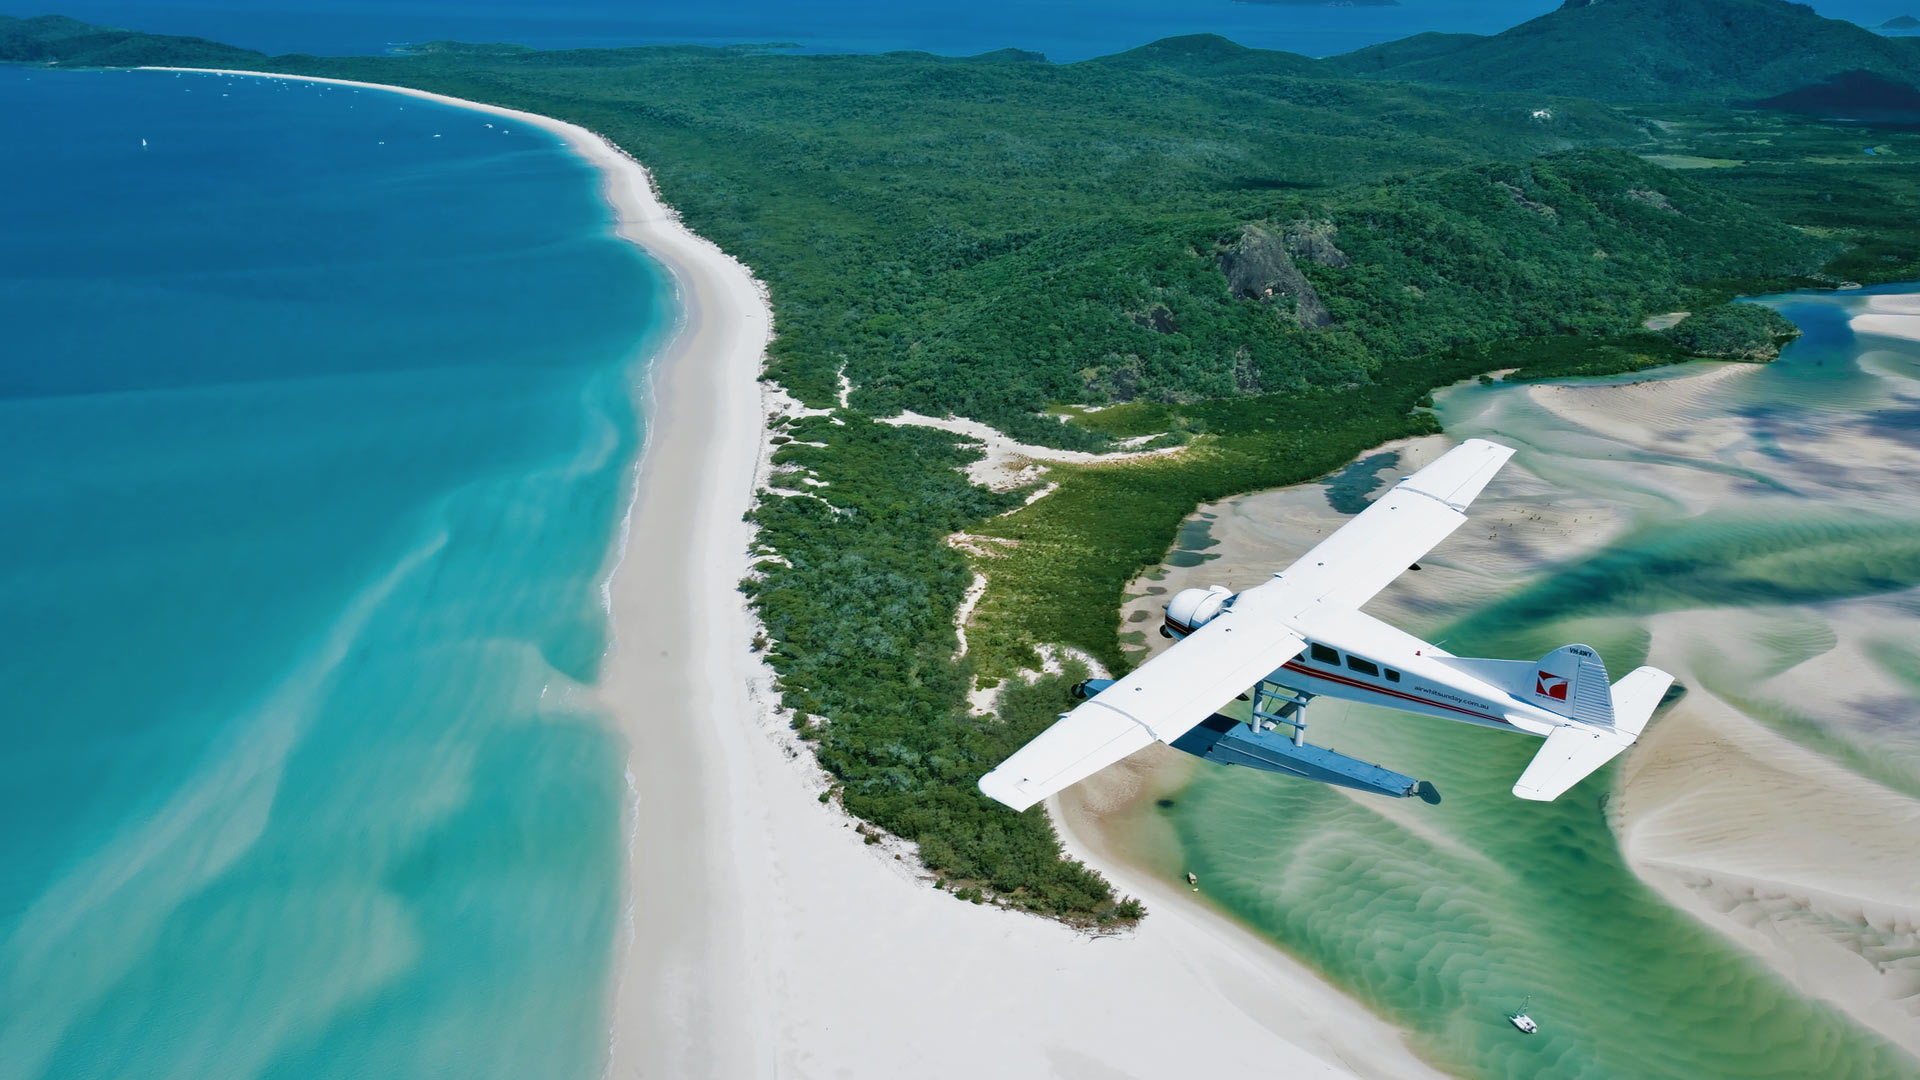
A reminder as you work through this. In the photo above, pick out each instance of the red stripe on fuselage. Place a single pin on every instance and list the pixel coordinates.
(1294, 665)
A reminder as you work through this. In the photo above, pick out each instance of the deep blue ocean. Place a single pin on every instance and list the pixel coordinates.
(1065, 30)
(316, 423)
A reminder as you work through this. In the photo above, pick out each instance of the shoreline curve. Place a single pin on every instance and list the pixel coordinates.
(761, 935)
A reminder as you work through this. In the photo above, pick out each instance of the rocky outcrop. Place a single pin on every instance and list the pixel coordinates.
(1246, 375)
(1652, 198)
(1157, 319)
(1313, 241)
(1520, 199)
(1258, 267)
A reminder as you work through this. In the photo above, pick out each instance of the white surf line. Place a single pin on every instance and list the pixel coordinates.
(768, 938)
(688, 997)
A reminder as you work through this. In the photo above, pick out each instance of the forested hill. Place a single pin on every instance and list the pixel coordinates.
(1648, 51)
(56, 39)
(1213, 55)
(990, 238)
(1275, 264)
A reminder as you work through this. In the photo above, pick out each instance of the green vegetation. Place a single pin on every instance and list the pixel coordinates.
(55, 39)
(1060, 578)
(1853, 94)
(1734, 332)
(1648, 50)
(1249, 252)
(989, 236)
(860, 608)
(1534, 359)
(1816, 176)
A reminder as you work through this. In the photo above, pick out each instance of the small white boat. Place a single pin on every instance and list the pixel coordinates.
(1522, 1021)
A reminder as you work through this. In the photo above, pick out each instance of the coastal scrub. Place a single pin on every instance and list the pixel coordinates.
(1737, 331)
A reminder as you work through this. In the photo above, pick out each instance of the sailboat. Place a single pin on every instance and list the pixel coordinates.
(1521, 1020)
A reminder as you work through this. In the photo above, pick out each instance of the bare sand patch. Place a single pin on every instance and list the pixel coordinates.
(1011, 464)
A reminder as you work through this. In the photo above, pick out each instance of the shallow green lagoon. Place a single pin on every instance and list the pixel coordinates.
(1445, 917)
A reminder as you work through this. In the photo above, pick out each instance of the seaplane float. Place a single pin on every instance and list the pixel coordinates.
(1302, 635)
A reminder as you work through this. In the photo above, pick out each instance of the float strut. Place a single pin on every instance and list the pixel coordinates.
(1274, 705)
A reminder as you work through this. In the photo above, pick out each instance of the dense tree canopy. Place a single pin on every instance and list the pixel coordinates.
(1252, 251)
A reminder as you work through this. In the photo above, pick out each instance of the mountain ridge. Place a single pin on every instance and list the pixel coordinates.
(1648, 50)
(57, 39)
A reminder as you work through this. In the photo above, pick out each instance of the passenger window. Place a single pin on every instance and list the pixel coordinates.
(1392, 675)
(1326, 655)
(1364, 667)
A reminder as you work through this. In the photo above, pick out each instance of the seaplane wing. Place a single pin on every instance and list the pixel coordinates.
(1366, 554)
(1161, 701)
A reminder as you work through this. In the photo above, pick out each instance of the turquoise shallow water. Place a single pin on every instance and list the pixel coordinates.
(316, 418)
(1444, 917)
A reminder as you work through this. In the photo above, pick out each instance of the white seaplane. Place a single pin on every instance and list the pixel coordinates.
(1302, 635)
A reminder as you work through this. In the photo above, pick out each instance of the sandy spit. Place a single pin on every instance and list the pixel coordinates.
(764, 936)
(1796, 858)
(1889, 316)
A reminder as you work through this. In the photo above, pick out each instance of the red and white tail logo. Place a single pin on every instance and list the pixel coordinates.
(1550, 686)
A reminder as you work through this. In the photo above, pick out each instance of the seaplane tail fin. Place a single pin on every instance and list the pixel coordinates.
(1570, 755)
(1572, 681)
(1636, 696)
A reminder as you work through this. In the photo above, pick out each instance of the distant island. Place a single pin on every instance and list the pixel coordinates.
(1900, 22)
(1648, 51)
(1855, 96)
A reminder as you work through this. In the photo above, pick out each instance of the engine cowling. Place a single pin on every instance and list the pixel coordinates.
(1190, 609)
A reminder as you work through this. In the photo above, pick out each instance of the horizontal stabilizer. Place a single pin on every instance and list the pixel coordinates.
(1570, 755)
(1636, 696)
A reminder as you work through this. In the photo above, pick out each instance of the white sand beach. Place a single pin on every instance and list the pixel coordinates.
(763, 936)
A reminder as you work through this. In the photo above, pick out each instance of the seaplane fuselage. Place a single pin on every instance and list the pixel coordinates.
(1351, 656)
